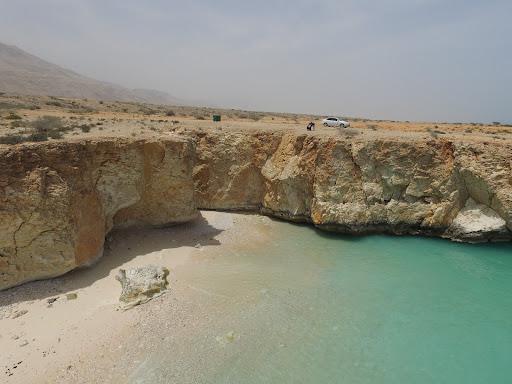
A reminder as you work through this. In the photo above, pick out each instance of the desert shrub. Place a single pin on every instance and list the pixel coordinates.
(85, 128)
(38, 136)
(16, 124)
(11, 139)
(434, 133)
(147, 111)
(101, 102)
(373, 127)
(255, 116)
(82, 109)
(348, 132)
(170, 113)
(496, 123)
(54, 103)
(47, 124)
(55, 134)
(13, 116)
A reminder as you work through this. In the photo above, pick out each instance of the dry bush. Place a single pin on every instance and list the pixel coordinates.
(47, 124)
(54, 103)
(13, 116)
(348, 132)
(11, 139)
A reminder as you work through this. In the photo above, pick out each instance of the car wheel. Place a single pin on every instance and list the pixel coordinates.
(325, 124)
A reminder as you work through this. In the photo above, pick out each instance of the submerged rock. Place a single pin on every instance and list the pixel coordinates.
(477, 222)
(139, 285)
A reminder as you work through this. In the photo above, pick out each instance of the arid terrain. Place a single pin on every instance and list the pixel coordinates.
(26, 118)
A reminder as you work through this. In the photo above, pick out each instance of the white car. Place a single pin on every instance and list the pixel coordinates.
(335, 122)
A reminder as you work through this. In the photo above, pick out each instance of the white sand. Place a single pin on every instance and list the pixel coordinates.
(79, 340)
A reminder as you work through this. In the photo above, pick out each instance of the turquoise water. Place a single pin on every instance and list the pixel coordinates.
(311, 307)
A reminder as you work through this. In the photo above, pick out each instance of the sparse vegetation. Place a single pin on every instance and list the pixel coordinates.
(348, 132)
(38, 136)
(54, 103)
(13, 116)
(11, 139)
(16, 124)
(435, 133)
(47, 124)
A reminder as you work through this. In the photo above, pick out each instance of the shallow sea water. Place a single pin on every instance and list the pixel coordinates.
(311, 307)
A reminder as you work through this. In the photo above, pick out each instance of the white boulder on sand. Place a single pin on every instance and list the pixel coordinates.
(139, 285)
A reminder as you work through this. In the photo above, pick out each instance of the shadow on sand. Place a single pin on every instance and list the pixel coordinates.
(121, 246)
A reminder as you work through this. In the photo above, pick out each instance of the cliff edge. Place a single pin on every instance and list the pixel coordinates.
(58, 200)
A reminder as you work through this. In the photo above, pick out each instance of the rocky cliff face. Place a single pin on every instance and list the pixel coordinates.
(59, 200)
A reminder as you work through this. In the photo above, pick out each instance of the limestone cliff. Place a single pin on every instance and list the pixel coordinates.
(58, 200)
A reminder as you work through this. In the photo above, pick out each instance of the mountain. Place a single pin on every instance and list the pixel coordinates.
(23, 73)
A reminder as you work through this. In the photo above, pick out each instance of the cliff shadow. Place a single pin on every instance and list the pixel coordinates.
(121, 246)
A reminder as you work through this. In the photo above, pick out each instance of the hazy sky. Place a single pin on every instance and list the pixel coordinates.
(394, 59)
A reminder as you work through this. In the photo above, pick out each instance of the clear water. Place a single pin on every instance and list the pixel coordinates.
(311, 307)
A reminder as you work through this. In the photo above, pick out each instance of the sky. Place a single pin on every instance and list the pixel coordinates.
(418, 60)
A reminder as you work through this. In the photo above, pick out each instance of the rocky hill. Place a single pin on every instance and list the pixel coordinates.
(58, 200)
(23, 73)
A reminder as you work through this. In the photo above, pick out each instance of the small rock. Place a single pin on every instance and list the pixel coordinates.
(19, 313)
(71, 296)
(139, 285)
(52, 300)
(230, 336)
(23, 343)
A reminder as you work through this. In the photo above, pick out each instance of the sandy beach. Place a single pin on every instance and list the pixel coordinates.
(50, 335)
